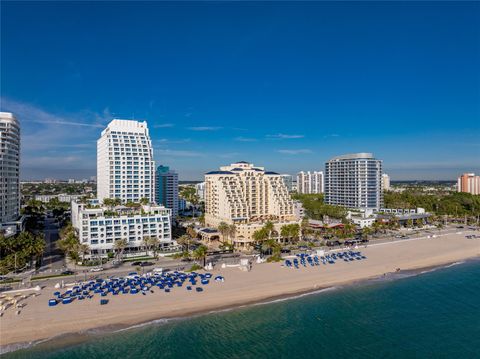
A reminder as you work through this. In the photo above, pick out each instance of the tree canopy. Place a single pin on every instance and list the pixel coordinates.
(315, 208)
(455, 204)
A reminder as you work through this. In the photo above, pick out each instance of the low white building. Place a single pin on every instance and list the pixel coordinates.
(100, 227)
(45, 198)
(363, 222)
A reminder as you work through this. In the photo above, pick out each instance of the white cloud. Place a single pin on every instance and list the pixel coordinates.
(245, 139)
(167, 141)
(179, 153)
(204, 128)
(282, 136)
(163, 125)
(29, 113)
(52, 141)
(295, 152)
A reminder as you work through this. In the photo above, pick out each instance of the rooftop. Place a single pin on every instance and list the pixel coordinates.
(354, 156)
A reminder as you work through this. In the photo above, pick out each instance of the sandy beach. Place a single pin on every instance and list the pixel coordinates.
(39, 321)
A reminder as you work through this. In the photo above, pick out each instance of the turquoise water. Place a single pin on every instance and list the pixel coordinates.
(431, 315)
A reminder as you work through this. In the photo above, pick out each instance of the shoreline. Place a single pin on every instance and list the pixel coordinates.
(252, 295)
(72, 338)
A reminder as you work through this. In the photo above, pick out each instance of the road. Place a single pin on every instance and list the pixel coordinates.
(53, 260)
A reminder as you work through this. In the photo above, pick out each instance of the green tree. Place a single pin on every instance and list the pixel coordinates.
(200, 253)
(232, 232)
(366, 231)
(119, 247)
(151, 244)
(224, 230)
(189, 194)
(83, 249)
(185, 241)
(269, 228)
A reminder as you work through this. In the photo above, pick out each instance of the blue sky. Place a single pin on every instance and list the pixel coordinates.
(284, 85)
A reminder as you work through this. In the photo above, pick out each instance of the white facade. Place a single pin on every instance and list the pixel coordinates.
(99, 227)
(310, 182)
(45, 198)
(386, 182)
(299, 210)
(9, 168)
(248, 197)
(354, 181)
(200, 188)
(125, 165)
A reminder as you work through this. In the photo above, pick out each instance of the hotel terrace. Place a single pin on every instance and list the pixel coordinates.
(247, 196)
(100, 226)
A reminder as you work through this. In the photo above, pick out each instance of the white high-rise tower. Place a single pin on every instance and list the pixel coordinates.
(310, 182)
(125, 165)
(9, 168)
(354, 181)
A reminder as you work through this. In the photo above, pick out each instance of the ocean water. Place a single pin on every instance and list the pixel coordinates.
(435, 314)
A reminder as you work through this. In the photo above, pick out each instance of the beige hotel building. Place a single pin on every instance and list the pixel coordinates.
(247, 196)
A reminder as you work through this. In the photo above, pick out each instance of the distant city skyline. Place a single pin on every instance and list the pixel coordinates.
(284, 85)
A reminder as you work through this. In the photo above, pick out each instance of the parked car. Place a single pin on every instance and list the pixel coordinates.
(146, 264)
(136, 263)
(96, 269)
(333, 243)
(68, 272)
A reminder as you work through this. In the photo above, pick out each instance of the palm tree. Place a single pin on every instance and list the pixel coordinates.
(191, 232)
(224, 230)
(260, 235)
(184, 241)
(200, 253)
(304, 226)
(366, 231)
(147, 243)
(151, 243)
(269, 228)
(232, 231)
(376, 226)
(285, 232)
(83, 249)
(69, 244)
(120, 246)
(410, 223)
(190, 195)
(349, 229)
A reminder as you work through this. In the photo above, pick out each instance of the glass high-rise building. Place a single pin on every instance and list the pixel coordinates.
(125, 165)
(354, 181)
(167, 188)
(9, 168)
